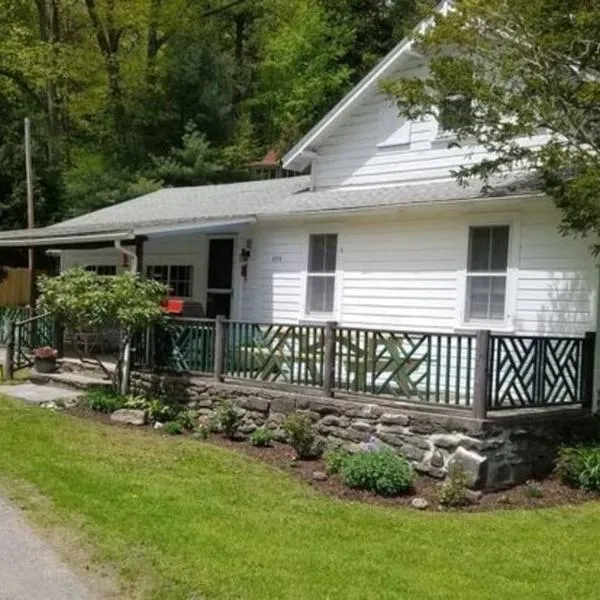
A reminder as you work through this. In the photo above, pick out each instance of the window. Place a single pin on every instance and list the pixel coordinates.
(320, 283)
(177, 277)
(102, 269)
(454, 112)
(487, 273)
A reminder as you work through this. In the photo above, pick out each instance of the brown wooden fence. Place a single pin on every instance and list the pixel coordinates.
(14, 288)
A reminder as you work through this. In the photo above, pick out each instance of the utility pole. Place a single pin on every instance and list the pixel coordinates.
(30, 214)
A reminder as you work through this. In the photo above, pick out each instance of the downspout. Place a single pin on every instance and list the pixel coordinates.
(126, 366)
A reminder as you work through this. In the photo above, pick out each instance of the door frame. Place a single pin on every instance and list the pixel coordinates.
(234, 290)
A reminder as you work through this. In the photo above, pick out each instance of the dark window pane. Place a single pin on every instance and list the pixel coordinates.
(322, 253)
(455, 112)
(499, 248)
(479, 248)
(218, 304)
(220, 264)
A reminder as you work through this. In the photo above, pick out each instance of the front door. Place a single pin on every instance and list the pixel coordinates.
(220, 277)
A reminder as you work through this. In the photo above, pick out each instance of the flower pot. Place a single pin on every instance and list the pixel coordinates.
(45, 365)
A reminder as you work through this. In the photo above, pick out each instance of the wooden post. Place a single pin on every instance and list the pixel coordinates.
(9, 351)
(59, 336)
(587, 369)
(30, 212)
(220, 346)
(329, 358)
(139, 252)
(480, 395)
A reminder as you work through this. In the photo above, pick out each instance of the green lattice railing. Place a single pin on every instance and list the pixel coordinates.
(7, 315)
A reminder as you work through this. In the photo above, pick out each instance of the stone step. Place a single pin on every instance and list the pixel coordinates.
(74, 381)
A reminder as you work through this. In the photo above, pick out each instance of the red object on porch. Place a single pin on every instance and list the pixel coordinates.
(173, 307)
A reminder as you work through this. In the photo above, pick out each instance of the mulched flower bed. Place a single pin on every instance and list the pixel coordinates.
(539, 494)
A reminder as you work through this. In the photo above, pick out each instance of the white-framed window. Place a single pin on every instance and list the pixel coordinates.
(454, 111)
(102, 269)
(320, 273)
(487, 273)
(178, 278)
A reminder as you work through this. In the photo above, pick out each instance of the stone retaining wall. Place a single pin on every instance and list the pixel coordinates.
(495, 454)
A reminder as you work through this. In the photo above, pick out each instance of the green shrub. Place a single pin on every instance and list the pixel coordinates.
(533, 489)
(579, 466)
(136, 402)
(173, 428)
(302, 436)
(335, 459)
(158, 410)
(261, 437)
(105, 400)
(228, 419)
(453, 492)
(186, 419)
(380, 471)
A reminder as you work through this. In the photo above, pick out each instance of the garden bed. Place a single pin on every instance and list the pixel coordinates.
(549, 492)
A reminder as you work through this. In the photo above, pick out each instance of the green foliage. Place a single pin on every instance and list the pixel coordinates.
(228, 418)
(525, 68)
(335, 459)
(186, 420)
(380, 471)
(261, 437)
(302, 436)
(533, 489)
(158, 410)
(174, 428)
(579, 466)
(105, 401)
(453, 492)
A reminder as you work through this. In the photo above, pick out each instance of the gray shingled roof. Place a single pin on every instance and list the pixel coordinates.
(279, 198)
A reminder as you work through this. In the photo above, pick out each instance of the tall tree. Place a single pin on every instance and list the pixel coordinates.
(512, 70)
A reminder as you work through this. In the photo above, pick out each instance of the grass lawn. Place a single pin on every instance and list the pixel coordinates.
(185, 519)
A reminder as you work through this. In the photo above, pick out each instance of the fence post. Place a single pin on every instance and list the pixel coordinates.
(59, 338)
(329, 358)
(480, 395)
(9, 351)
(220, 346)
(587, 369)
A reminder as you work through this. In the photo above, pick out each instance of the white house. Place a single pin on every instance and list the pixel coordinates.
(378, 236)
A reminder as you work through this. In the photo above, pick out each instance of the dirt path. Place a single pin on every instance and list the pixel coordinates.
(30, 569)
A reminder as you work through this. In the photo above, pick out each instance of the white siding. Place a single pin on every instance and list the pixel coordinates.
(367, 149)
(403, 271)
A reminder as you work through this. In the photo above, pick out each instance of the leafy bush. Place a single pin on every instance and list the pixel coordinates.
(380, 471)
(303, 436)
(105, 400)
(261, 437)
(186, 420)
(335, 459)
(533, 489)
(453, 492)
(173, 428)
(136, 402)
(228, 419)
(160, 411)
(579, 466)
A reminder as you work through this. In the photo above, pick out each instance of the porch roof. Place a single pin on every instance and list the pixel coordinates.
(203, 208)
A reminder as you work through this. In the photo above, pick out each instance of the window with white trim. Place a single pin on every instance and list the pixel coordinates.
(102, 269)
(320, 275)
(455, 111)
(178, 278)
(487, 271)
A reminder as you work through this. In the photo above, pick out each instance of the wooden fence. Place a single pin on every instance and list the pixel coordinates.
(14, 288)
(479, 372)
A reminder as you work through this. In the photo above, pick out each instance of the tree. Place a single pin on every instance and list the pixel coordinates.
(86, 302)
(521, 69)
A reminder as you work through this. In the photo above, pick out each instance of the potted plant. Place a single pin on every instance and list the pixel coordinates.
(45, 359)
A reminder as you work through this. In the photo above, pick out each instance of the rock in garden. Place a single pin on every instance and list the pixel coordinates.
(129, 416)
(158, 425)
(419, 503)
(473, 496)
(319, 476)
(474, 466)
